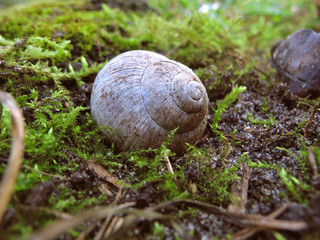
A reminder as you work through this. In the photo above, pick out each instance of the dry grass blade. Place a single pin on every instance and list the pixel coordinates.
(130, 217)
(123, 224)
(169, 166)
(133, 215)
(110, 186)
(45, 173)
(306, 128)
(83, 235)
(241, 190)
(243, 220)
(250, 231)
(312, 162)
(246, 233)
(114, 226)
(107, 224)
(58, 214)
(102, 173)
(16, 154)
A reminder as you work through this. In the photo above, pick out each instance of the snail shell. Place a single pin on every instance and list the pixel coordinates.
(140, 96)
(297, 61)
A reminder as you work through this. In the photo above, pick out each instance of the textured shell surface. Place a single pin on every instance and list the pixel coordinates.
(140, 96)
(297, 60)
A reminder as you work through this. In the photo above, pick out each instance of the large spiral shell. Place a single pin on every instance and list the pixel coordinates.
(140, 96)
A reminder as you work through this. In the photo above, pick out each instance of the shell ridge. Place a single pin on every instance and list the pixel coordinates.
(144, 103)
(133, 94)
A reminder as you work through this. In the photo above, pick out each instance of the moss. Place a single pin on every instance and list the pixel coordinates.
(74, 201)
(50, 50)
(267, 122)
(222, 107)
(295, 187)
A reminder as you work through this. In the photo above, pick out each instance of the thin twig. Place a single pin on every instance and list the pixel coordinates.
(107, 222)
(110, 184)
(234, 137)
(83, 234)
(244, 187)
(242, 220)
(132, 216)
(114, 226)
(312, 162)
(202, 139)
(58, 214)
(16, 154)
(169, 166)
(306, 128)
(45, 173)
(53, 230)
(241, 191)
(250, 231)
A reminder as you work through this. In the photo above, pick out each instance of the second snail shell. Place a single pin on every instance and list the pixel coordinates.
(140, 96)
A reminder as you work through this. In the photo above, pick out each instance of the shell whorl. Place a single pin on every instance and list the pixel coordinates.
(144, 95)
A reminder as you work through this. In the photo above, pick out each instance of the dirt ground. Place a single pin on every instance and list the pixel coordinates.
(266, 124)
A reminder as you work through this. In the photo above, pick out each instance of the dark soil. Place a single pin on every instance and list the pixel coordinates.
(262, 142)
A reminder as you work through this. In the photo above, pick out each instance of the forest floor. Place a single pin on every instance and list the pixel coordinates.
(253, 175)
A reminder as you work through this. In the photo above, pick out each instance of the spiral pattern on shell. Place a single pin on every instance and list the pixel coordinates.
(140, 96)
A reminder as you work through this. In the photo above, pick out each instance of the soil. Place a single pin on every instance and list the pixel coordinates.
(261, 142)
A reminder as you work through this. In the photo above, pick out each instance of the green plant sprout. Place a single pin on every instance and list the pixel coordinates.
(222, 107)
(264, 107)
(294, 186)
(266, 122)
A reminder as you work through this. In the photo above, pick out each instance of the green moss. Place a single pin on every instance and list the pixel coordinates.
(158, 230)
(74, 201)
(264, 107)
(5, 129)
(35, 48)
(295, 187)
(316, 151)
(27, 179)
(222, 107)
(150, 167)
(217, 183)
(214, 183)
(265, 122)
(49, 50)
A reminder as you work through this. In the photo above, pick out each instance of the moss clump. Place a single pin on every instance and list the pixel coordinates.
(50, 53)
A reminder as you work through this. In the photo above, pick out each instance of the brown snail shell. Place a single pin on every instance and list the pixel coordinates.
(297, 61)
(140, 96)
